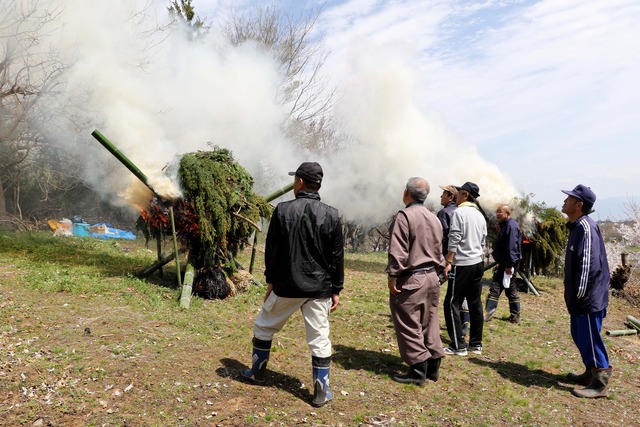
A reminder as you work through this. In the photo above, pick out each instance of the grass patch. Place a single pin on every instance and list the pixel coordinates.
(86, 343)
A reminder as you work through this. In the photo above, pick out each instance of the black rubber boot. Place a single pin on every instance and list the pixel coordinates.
(417, 374)
(514, 309)
(433, 369)
(598, 387)
(582, 379)
(259, 359)
(490, 309)
(465, 319)
(321, 369)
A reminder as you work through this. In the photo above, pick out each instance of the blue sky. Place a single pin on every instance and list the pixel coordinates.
(545, 90)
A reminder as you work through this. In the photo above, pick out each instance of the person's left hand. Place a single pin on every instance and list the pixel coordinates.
(335, 301)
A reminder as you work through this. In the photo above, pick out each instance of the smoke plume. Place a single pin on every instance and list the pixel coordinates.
(155, 94)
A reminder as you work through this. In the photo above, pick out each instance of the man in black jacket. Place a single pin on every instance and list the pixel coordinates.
(304, 269)
(507, 253)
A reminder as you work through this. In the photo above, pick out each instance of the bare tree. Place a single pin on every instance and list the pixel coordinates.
(303, 90)
(28, 73)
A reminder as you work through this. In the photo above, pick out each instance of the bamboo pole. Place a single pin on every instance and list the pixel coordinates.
(121, 157)
(268, 198)
(175, 246)
(635, 322)
(529, 284)
(622, 332)
(156, 265)
(187, 283)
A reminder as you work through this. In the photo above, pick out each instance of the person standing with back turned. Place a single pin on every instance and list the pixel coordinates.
(304, 269)
(464, 269)
(415, 258)
(448, 202)
(586, 291)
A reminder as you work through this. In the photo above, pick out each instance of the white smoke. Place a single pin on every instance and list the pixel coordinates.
(156, 95)
(397, 140)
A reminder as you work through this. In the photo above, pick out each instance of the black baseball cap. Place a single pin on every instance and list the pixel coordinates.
(310, 172)
(470, 188)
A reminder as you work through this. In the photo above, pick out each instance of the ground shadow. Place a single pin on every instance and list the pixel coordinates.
(367, 360)
(231, 369)
(365, 266)
(520, 374)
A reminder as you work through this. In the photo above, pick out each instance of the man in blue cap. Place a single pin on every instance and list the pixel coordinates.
(586, 291)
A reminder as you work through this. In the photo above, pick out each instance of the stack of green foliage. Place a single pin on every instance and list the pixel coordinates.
(225, 207)
(550, 240)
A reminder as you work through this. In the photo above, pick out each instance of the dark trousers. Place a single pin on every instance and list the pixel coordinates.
(464, 282)
(511, 292)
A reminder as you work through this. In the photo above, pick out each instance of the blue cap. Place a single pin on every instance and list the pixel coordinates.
(583, 193)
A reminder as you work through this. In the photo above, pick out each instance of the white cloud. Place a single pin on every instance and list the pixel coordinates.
(546, 90)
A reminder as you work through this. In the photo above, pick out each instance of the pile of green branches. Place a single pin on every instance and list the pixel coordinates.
(226, 210)
(550, 241)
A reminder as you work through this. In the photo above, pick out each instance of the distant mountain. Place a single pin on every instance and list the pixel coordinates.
(612, 209)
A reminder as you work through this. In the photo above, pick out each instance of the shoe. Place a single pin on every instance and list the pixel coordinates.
(477, 349)
(514, 318)
(451, 351)
(489, 314)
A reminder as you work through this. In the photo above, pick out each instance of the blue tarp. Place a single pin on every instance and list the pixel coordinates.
(112, 233)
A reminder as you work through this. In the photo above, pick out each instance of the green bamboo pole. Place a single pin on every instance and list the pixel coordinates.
(175, 246)
(156, 265)
(268, 198)
(635, 322)
(622, 332)
(121, 157)
(529, 284)
(187, 284)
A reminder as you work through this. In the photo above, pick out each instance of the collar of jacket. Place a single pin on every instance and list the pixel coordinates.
(468, 204)
(414, 203)
(570, 224)
(302, 194)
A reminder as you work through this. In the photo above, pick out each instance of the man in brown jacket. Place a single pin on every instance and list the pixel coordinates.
(415, 257)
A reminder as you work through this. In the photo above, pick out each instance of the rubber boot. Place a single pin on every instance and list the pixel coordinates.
(417, 374)
(598, 387)
(465, 319)
(490, 309)
(582, 379)
(433, 369)
(321, 392)
(259, 359)
(514, 308)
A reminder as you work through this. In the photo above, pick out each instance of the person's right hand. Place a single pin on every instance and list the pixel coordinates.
(269, 290)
